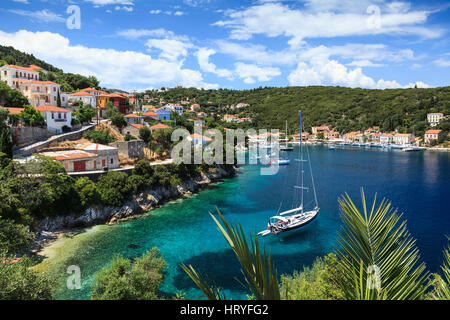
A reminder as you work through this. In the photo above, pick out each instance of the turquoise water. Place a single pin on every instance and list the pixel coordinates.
(417, 183)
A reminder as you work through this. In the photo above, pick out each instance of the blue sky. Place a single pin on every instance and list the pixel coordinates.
(140, 44)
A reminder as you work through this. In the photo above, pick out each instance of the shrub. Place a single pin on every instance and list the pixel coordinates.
(102, 137)
(129, 137)
(124, 280)
(114, 188)
(145, 134)
(66, 129)
(87, 191)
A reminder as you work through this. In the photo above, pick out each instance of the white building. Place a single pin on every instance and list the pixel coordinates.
(175, 108)
(39, 92)
(435, 118)
(84, 97)
(403, 138)
(107, 157)
(10, 74)
(386, 138)
(56, 118)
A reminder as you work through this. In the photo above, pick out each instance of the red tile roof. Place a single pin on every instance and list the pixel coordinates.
(13, 110)
(51, 108)
(433, 131)
(21, 68)
(132, 116)
(159, 126)
(137, 125)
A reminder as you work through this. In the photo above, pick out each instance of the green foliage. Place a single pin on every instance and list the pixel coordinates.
(260, 274)
(320, 136)
(318, 282)
(87, 192)
(6, 143)
(85, 113)
(129, 137)
(145, 134)
(118, 120)
(101, 137)
(14, 238)
(11, 98)
(19, 282)
(32, 117)
(441, 284)
(114, 188)
(378, 239)
(13, 56)
(124, 280)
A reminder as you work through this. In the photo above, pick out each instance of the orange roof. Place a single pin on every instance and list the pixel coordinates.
(13, 110)
(436, 113)
(159, 126)
(69, 155)
(81, 93)
(33, 67)
(150, 114)
(20, 68)
(138, 125)
(51, 108)
(132, 116)
(198, 136)
(433, 131)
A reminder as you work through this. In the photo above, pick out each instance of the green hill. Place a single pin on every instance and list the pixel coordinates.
(345, 109)
(13, 56)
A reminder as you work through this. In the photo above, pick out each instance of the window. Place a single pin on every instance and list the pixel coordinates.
(54, 89)
(54, 98)
(112, 161)
(65, 115)
(103, 163)
(53, 115)
(59, 115)
(6, 73)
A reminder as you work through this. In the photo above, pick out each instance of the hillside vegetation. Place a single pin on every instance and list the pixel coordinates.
(345, 109)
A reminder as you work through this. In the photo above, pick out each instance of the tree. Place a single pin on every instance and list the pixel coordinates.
(58, 100)
(19, 282)
(320, 136)
(124, 280)
(118, 120)
(87, 191)
(6, 143)
(145, 134)
(378, 257)
(32, 117)
(114, 188)
(14, 238)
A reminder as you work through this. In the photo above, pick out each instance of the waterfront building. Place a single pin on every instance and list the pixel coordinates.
(56, 118)
(435, 118)
(323, 129)
(386, 138)
(331, 135)
(432, 135)
(350, 136)
(403, 138)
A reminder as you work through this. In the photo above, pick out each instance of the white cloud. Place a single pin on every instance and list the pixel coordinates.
(171, 49)
(322, 71)
(118, 69)
(442, 62)
(41, 15)
(203, 55)
(108, 2)
(22, 1)
(139, 33)
(275, 19)
(251, 72)
(124, 8)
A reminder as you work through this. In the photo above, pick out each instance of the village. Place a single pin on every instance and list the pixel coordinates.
(73, 122)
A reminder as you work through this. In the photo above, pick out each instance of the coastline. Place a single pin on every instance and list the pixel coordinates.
(51, 230)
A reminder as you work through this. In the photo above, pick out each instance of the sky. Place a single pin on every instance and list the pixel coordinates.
(147, 44)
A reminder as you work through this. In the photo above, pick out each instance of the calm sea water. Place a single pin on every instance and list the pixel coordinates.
(417, 183)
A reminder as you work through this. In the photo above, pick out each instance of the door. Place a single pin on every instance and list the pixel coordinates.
(79, 166)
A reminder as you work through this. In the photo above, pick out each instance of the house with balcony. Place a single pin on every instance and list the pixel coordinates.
(163, 113)
(10, 74)
(433, 135)
(39, 92)
(85, 98)
(403, 138)
(56, 118)
(133, 119)
(386, 138)
(435, 118)
(178, 108)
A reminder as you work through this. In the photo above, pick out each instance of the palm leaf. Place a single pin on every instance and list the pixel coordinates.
(211, 292)
(260, 275)
(442, 289)
(378, 240)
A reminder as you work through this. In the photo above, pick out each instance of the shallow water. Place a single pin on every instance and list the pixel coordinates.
(417, 183)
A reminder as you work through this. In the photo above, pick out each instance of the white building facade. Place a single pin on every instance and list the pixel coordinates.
(56, 118)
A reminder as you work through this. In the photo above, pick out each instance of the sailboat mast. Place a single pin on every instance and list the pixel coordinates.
(301, 156)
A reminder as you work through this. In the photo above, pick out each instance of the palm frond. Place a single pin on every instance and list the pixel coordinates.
(376, 245)
(259, 272)
(211, 292)
(442, 286)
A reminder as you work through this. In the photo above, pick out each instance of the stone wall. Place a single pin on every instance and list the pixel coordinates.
(28, 135)
(133, 149)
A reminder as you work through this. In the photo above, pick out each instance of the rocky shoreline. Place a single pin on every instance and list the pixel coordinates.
(50, 229)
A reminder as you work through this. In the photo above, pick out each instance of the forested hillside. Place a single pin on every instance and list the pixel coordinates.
(346, 109)
(13, 56)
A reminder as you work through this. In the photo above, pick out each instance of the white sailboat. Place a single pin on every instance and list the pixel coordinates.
(286, 147)
(298, 217)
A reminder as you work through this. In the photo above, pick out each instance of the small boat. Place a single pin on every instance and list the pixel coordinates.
(332, 147)
(286, 147)
(295, 218)
(280, 162)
